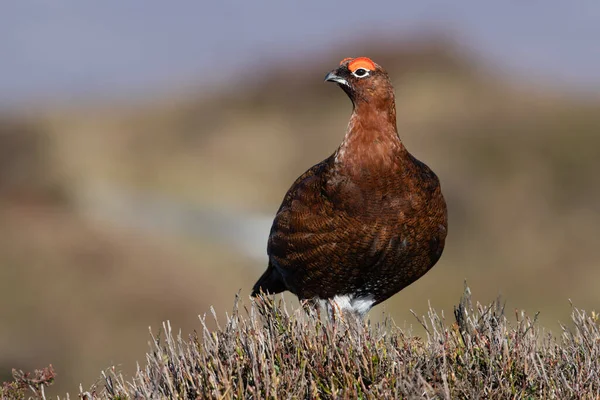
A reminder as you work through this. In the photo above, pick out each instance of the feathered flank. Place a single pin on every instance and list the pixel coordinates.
(366, 222)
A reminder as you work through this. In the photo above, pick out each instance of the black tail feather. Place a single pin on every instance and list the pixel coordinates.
(269, 283)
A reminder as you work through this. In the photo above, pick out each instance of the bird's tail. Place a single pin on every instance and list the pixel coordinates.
(270, 282)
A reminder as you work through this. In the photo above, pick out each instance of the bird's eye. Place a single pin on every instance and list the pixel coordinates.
(361, 73)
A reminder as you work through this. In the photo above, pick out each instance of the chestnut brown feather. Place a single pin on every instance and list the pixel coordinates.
(367, 221)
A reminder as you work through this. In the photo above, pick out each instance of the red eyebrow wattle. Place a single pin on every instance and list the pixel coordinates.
(361, 62)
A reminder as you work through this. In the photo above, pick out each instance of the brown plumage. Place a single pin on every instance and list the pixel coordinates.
(366, 222)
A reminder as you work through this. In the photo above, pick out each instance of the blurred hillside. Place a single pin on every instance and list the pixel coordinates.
(117, 218)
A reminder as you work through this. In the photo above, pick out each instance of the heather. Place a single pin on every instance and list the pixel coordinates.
(267, 350)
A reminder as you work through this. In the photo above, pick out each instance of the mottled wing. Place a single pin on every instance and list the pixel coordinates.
(315, 244)
(299, 222)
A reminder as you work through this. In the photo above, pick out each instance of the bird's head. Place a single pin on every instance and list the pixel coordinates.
(363, 81)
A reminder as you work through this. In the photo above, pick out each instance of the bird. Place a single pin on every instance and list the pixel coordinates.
(364, 223)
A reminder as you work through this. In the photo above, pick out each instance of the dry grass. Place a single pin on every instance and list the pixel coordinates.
(267, 351)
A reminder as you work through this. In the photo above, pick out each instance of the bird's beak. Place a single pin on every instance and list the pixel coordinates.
(332, 77)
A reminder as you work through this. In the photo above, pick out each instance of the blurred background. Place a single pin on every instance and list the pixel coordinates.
(145, 149)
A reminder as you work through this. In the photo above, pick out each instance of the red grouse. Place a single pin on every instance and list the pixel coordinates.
(366, 222)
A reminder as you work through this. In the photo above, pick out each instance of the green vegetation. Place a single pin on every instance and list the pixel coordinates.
(268, 352)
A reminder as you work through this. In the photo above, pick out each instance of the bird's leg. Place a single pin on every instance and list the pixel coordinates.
(335, 311)
(311, 307)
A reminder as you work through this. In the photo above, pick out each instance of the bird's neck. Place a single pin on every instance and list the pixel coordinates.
(371, 137)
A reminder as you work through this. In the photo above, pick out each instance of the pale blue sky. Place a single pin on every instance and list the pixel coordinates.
(64, 49)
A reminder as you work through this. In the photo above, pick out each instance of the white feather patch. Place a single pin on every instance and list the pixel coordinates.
(358, 305)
